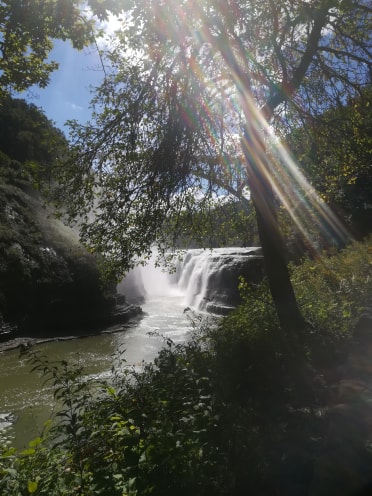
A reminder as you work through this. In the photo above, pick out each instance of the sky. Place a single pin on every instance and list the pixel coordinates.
(67, 96)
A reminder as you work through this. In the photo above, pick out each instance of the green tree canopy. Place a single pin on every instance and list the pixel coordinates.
(27, 31)
(336, 154)
(195, 91)
(28, 136)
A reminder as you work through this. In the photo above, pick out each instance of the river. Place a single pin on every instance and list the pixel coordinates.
(26, 402)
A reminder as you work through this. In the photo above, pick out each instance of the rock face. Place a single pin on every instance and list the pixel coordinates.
(49, 284)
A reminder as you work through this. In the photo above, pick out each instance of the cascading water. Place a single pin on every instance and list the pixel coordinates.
(210, 278)
(206, 279)
(146, 283)
(193, 277)
(163, 304)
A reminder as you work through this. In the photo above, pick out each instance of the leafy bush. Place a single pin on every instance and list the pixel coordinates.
(179, 426)
(332, 292)
(146, 433)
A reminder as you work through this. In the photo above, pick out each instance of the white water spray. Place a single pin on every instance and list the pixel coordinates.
(203, 277)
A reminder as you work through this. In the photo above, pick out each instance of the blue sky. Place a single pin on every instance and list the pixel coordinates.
(67, 96)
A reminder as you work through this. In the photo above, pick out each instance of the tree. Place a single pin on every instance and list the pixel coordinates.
(336, 154)
(27, 31)
(195, 91)
(29, 137)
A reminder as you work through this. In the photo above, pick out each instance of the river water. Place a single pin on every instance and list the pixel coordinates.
(26, 402)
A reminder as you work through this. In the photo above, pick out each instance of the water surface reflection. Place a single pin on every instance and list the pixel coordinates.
(24, 395)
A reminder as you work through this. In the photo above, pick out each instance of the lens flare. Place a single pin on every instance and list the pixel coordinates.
(314, 219)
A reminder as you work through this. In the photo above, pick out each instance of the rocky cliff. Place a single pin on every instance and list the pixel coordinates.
(49, 284)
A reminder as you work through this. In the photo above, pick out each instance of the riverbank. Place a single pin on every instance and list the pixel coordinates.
(123, 317)
(29, 401)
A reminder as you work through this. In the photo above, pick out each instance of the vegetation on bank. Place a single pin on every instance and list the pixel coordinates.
(222, 414)
(48, 280)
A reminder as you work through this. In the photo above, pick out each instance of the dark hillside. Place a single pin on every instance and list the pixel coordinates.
(48, 282)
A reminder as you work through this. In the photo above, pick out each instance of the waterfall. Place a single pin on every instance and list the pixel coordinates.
(207, 279)
(194, 275)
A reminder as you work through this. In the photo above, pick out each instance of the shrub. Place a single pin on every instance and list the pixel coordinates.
(332, 291)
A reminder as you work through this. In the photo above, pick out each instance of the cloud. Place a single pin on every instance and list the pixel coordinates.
(74, 106)
(109, 27)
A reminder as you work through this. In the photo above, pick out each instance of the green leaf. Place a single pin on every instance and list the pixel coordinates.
(111, 391)
(32, 487)
(28, 452)
(35, 442)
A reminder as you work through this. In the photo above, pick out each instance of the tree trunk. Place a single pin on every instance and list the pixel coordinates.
(273, 248)
(275, 263)
(257, 163)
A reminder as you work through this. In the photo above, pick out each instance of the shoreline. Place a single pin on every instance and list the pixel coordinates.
(119, 321)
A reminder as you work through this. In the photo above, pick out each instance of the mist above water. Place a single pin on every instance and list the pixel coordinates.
(148, 282)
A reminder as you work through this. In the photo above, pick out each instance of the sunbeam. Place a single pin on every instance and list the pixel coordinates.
(305, 207)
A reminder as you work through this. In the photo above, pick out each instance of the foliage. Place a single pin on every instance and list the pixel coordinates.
(107, 446)
(223, 413)
(27, 31)
(184, 114)
(227, 223)
(335, 153)
(344, 281)
(44, 272)
(28, 137)
(45, 275)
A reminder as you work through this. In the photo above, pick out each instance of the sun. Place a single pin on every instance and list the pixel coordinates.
(112, 24)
